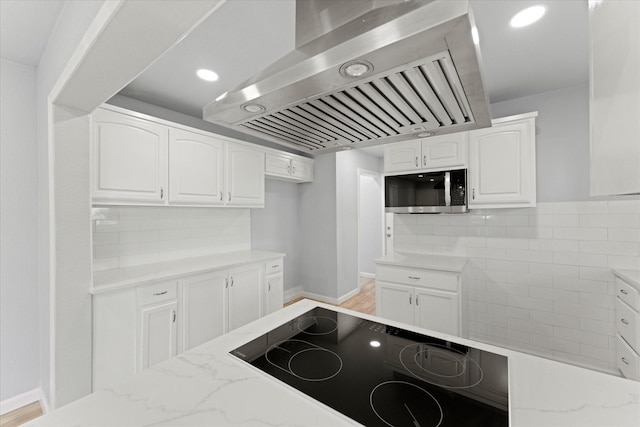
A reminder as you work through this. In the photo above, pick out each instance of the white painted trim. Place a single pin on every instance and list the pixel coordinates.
(298, 292)
(21, 400)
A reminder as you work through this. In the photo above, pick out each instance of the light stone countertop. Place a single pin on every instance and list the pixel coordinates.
(206, 386)
(632, 277)
(118, 278)
(431, 262)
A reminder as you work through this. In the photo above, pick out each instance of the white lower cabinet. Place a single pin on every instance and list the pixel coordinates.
(627, 329)
(139, 327)
(426, 298)
(157, 334)
(274, 286)
(204, 309)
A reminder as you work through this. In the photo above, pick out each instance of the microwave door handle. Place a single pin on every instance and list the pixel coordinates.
(447, 189)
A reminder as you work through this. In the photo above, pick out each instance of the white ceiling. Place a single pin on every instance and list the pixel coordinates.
(25, 26)
(244, 36)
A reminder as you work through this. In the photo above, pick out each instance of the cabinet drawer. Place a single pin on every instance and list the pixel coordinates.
(628, 294)
(627, 360)
(273, 266)
(628, 323)
(433, 279)
(158, 292)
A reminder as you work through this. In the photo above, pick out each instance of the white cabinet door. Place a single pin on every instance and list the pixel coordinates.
(244, 176)
(129, 159)
(437, 310)
(445, 151)
(614, 109)
(274, 293)
(245, 285)
(502, 169)
(302, 170)
(157, 333)
(395, 302)
(402, 156)
(204, 308)
(196, 168)
(278, 165)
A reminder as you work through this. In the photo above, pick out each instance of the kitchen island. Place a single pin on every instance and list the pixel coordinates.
(208, 386)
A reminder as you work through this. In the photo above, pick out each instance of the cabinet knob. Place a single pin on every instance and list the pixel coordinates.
(416, 161)
(424, 160)
(624, 361)
(623, 291)
(388, 234)
(293, 170)
(625, 321)
(473, 194)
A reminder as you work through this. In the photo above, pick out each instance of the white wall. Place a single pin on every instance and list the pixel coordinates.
(370, 222)
(347, 164)
(275, 227)
(317, 229)
(562, 140)
(19, 347)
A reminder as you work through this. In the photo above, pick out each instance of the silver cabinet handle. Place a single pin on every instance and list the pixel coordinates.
(160, 293)
(414, 278)
(269, 288)
(409, 299)
(275, 266)
(417, 303)
(173, 314)
(289, 169)
(231, 280)
(625, 321)
(622, 291)
(424, 161)
(161, 192)
(624, 360)
(229, 196)
(473, 194)
(416, 161)
(221, 196)
(226, 282)
(293, 170)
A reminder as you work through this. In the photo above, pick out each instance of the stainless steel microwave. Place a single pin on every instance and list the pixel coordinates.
(432, 192)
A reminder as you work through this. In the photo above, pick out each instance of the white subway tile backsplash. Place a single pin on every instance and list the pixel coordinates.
(127, 236)
(549, 265)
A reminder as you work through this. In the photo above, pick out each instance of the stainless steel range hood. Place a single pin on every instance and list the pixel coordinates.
(417, 73)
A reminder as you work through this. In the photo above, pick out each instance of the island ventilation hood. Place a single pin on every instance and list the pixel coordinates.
(365, 72)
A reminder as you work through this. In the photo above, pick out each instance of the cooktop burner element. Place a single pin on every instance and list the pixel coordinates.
(304, 360)
(380, 375)
(415, 405)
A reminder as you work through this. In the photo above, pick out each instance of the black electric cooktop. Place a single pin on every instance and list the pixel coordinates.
(379, 375)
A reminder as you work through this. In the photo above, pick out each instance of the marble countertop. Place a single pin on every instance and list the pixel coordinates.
(632, 277)
(117, 278)
(432, 262)
(208, 387)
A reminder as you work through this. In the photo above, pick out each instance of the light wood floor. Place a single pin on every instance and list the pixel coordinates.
(21, 415)
(364, 302)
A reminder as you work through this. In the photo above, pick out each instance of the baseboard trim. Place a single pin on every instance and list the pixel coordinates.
(21, 400)
(297, 292)
(368, 275)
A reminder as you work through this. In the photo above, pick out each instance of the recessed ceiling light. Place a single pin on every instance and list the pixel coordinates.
(527, 16)
(207, 75)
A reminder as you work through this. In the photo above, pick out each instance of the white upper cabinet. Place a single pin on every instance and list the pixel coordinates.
(129, 159)
(502, 164)
(288, 167)
(402, 156)
(196, 168)
(245, 176)
(433, 153)
(614, 42)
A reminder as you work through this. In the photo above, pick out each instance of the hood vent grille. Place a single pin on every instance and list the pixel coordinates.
(418, 97)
